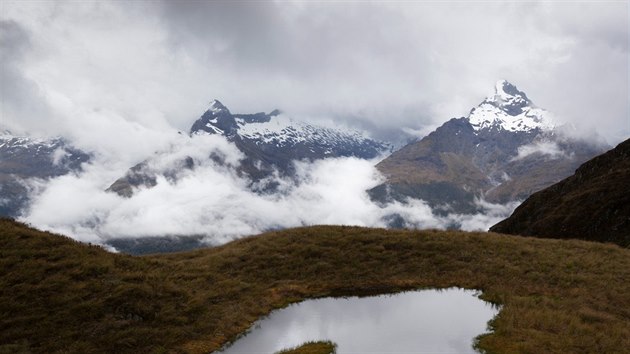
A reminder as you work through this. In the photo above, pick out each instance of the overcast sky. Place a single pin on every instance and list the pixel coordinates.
(138, 70)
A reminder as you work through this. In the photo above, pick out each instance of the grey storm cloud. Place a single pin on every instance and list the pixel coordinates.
(416, 63)
(376, 65)
(19, 96)
(120, 78)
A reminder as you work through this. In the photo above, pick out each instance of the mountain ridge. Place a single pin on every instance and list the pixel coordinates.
(501, 158)
(270, 143)
(24, 159)
(592, 204)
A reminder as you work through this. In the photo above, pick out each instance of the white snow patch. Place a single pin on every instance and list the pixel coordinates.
(282, 131)
(487, 115)
(492, 112)
(214, 129)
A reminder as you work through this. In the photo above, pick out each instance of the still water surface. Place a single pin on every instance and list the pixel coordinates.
(427, 321)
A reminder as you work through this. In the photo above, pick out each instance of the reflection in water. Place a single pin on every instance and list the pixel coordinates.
(428, 321)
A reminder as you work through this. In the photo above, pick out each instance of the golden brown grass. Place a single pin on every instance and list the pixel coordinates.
(312, 348)
(57, 295)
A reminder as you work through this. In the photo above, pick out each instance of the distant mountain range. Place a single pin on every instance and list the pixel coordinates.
(592, 204)
(24, 159)
(506, 149)
(270, 142)
(280, 139)
(503, 151)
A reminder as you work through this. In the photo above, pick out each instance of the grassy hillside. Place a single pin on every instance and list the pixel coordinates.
(593, 204)
(57, 295)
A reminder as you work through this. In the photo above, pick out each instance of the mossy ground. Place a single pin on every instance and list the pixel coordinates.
(57, 295)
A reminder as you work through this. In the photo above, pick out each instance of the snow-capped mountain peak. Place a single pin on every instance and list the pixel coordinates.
(217, 119)
(509, 109)
(283, 131)
(270, 144)
(272, 131)
(508, 98)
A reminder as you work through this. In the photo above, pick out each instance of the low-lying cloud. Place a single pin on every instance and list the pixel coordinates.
(212, 200)
(119, 78)
(549, 149)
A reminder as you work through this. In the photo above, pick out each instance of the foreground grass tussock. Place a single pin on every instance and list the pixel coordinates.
(57, 295)
(312, 348)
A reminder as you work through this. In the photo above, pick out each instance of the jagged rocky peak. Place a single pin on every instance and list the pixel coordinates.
(217, 107)
(270, 143)
(509, 109)
(508, 98)
(275, 130)
(217, 119)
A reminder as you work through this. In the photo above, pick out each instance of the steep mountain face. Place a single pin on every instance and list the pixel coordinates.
(25, 158)
(593, 204)
(269, 141)
(278, 140)
(506, 149)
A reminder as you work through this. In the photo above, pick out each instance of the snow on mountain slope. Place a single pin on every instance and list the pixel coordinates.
(511, 110)
(505, 150)
(10, 144)
(25, 158)
(269, 143)
(284, 131)
(276, 130)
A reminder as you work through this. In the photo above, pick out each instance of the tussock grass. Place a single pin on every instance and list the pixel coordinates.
(326, 347)
(57, 295)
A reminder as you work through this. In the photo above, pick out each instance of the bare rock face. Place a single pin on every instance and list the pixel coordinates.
(592, 204)
(505, 150)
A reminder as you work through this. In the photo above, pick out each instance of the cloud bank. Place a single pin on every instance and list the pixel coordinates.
(139, 68)
(546, 148)
(120, 78)
(212, 200)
